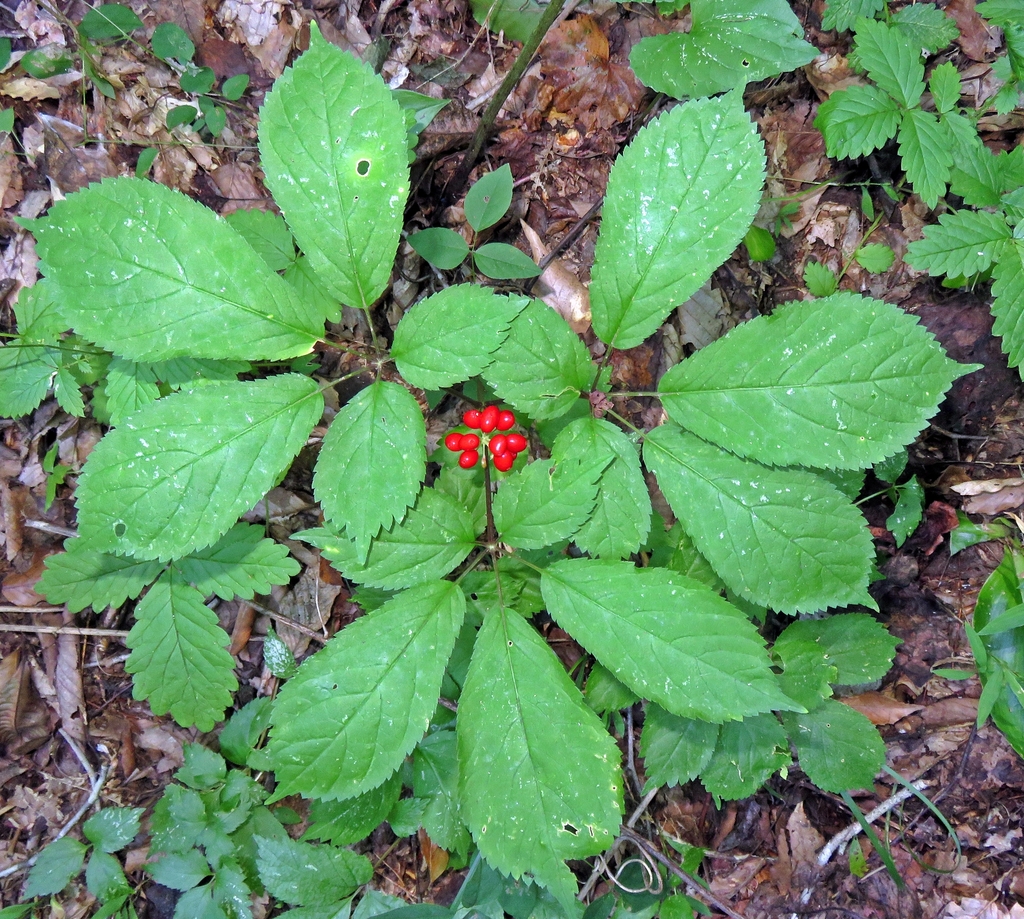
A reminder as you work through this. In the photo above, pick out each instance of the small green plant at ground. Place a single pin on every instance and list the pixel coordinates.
(200, 333)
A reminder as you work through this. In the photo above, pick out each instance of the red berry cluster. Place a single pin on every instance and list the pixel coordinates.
(503, 447)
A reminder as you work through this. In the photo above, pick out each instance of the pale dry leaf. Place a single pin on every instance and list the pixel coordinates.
(11, 186)
(879, 708)
(991, 503)
(13, 683)
(29, 89)
(985, 486)
(828, 73)
(68, 683)
(982, 909)
(558, 287)
(702, 319)
(39, 24)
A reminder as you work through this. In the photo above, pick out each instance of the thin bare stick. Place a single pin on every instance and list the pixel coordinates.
(62, 630)
(51, 528)
(603, 860)
(31, 609)
(291, 623)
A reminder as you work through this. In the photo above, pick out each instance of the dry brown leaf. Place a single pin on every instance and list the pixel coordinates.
(879, 708)
(23, 720)
(703, 318)
(828, 73)
(982, 909)
(977, 39)
(558, 287)
(434, 856)
(68, 683)
(18, 587)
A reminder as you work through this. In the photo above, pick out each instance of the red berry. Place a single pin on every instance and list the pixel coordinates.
(505, 420)
(469, 459)
(503, 461)
(498, 444)
(515, 443)
(489, 419)
(468, 442)
(453, 440)
(471, 419)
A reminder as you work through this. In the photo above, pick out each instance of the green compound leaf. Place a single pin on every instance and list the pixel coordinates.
(26, 371)
(841, 382)
(372, 462)
(358, 707)
(924, 26)
(729, 44)
(150, 274)
(875, 257)
(179, 655)
(129, 387)
(113, 827)
(668, 638)
(675, 749)
(963, 243)
(706, 160)
(543, 366)
(528, 804)
(435, 779)
(82, 577)
(925, 154)
(857, 645)
(504, 262)
(622, 512)
(435, 536)
(605, 694)
(890, 60)
(57, 864)
(856, 121)
(268, 234)
(443, 248)
(1008, 302)
(342, 179)
(545, 502)
(242, 564)
(842, 14)
(489, 198)
(748, 753)
(177, 475)
(450, 336)
(344, 822)
(782, 538)
(838, 747)
(303, 874)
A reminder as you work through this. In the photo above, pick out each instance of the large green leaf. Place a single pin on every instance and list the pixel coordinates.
(670, 639)
(730, 43)
(175, 476)
(622, 512)
(783, 538)
(150, 274)
(680, 198)
(858, 646)
(539, 775)
(747, 754)
(309, 875)
(675, 749)
(963, 243)
(372, 462)
(81, 577)
(450, 336)
(179, 655)
(436, 534)
(242, 564)
(838, 747)
(925, 154)
(840, 382)
(358, 707)
(891, 61)
(543, 366)
(856, 121)
(332, 147)
(349, 820)
(1008, 301)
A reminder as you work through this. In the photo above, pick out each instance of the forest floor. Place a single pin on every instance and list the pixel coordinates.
(62, 676)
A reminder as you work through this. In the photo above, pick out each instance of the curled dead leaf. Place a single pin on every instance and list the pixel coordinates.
(558, 287)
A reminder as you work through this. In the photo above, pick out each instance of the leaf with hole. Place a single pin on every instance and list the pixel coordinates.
(489, 198)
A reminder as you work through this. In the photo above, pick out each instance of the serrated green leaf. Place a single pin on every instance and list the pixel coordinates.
(924, 26)
(179, 819)
(26, 371)
(795, 543)
(242, 564)
(106, 881)
(670, 639)
(450, 336)
(372, 462)
(542, 367)
(1008, 301)
(856, 644)
(964, 243)
(180, 871)
(360, 705)
(1001, 12)
(604, 693)
(151, 274)
(187, 372)
(111, 20)
(348, 821)
(268, 234)
(944, 84)
(856, 121)
(170, 40)
(528, 805)
(908, 513)
(675, 749)
(56, 865)
(622, 512)
(435, 536)
(977, 174)
(113, 827)
(129, 387)
(443, 248)
(842, 14)
(342, 180)
(891, 62)
(67, 390)
(466, 488)
(875, 257)
(307, 875)
(239, 736)
(179, 655)
(175, 476)
(545, 502)
(748, 753)
(435, 779)
(838, 747)
(706, 160)
(806, 676)
(489, 198)
(729, 44)
(81, 576)
(307, 283)
(38, 313)
(841, 382)
(925, 154)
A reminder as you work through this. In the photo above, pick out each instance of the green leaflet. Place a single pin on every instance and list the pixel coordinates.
(82, 577)
(840, 382)
(360, 705)
(1008, 302)
(348, 821)
(842, 14)
(151, 274)
(856, 121)
(450, 336)
(857, 645)
(435, 779)
(179, 655)
(528, 804)
(730, 43)
(113, 827)
(241, 564)
(542, 367)
(622, 512)
(891, 61)
(435, 536)
(129, 386)
(25, 373)
(57, 864)
(705, 160)
(944, 84)
(748, 753)
(668, 638)
(838, 747)
(675, 749)
(544, 503)
(372, 462)
(332, 146)
(783, 538)
(159, 486)
(307, 875)
(925, 154)
(964, 243)
(806, 676)
(924, 26)
(268, 234)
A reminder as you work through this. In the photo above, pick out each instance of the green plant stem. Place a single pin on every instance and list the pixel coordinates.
(522, 62)
(473, 866)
